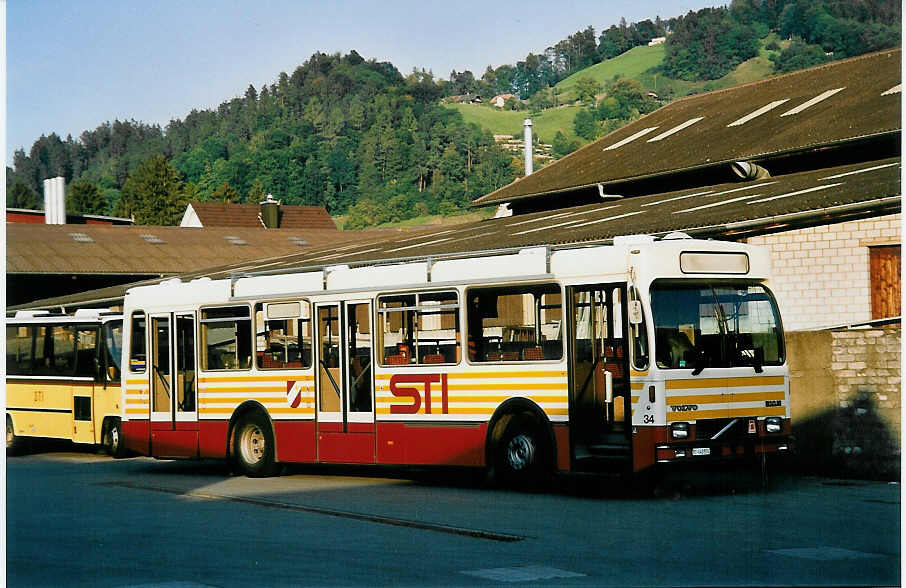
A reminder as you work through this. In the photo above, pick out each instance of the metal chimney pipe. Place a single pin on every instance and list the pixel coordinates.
(529, 165)
(61, 200)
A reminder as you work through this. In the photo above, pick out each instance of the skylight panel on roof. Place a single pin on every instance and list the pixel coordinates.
(572, 222)
(809, 103)
(610, 218)
(675, 129)
(630, 138)
(678, 198)
(298, 241)
(713, 204)
(859, 171)
(757, 113)
(797, 193)
(153, 239)
(81, 238)
(419, 244)
(233, 240)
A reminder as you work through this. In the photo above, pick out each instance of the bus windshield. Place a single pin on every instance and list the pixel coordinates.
(715, 325)
(113, 340)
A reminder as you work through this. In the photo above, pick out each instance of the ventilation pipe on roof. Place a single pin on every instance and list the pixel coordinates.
(55, 201)
(527, 135)
(270, 212)
(749, 171)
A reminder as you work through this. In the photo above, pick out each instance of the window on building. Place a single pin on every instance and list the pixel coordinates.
(283, 337)
(515, 323)
(420, 328)
(226, 335)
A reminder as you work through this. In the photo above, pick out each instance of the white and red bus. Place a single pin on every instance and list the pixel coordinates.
(524, 362)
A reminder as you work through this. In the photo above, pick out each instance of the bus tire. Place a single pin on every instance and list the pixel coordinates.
(113, 438)
(522, 453)
(14, 444)
(253, 447)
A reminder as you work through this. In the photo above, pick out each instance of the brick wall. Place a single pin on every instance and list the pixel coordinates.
(845, 401)
(821, 274)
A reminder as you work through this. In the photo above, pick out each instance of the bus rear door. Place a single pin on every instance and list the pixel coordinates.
(345, 389)
(174, 400)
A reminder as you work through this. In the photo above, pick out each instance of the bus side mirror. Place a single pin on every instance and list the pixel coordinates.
(635, 312)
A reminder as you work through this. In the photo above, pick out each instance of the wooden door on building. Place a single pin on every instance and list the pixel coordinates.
(884, 264)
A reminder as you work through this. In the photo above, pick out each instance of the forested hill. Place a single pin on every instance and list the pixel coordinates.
(342, 132)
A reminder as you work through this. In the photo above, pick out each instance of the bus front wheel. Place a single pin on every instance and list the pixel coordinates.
(113, 438)
(253, 447)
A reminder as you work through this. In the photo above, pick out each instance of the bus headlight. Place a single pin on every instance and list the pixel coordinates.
(680, 430)
(773, 425)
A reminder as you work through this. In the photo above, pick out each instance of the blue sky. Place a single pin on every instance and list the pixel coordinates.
(74, 64)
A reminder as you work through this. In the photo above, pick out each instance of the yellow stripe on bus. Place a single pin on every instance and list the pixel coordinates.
(243, 379)
(693, 415)
(729, 397)
(480, 412)
(728, 382)
(476, 375)
(756, 381)
(697, 383)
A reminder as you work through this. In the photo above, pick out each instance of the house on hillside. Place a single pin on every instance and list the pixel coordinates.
(500, 100)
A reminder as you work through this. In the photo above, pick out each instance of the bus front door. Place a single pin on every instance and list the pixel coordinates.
(599, 401)
(345, 388)
(174, 399)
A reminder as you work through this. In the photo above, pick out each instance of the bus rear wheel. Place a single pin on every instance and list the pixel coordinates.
(522, 453)
(113, 438)
(253, 447)
(14, 444)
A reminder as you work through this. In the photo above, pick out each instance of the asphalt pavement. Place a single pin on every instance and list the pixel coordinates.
(76, 518)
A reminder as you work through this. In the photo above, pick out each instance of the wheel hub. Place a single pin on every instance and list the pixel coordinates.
(520, 452)
(251, 444)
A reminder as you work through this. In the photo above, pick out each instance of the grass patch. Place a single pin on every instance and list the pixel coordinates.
(631, 64)
(509, 122)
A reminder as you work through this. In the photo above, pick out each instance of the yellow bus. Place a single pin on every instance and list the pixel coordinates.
(63, 378)
(628, 357)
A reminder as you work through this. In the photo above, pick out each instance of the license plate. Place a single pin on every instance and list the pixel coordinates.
(701, 451)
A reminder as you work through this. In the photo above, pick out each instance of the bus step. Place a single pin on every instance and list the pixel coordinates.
(609, 449)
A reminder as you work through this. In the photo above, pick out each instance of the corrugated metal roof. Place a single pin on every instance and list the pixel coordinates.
(219, 214)
(39, 249)
(832, 104)
(724, 211)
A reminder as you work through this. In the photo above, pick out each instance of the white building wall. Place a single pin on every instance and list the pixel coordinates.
(821, 274)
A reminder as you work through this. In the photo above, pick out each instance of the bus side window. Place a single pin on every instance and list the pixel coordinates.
(515, 323)
(137, 353)
(226, 335)
(57, 357)
(19, 342)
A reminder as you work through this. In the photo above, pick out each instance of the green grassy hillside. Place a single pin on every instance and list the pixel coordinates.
(508, 122)
(631, 64)
(637, 63)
